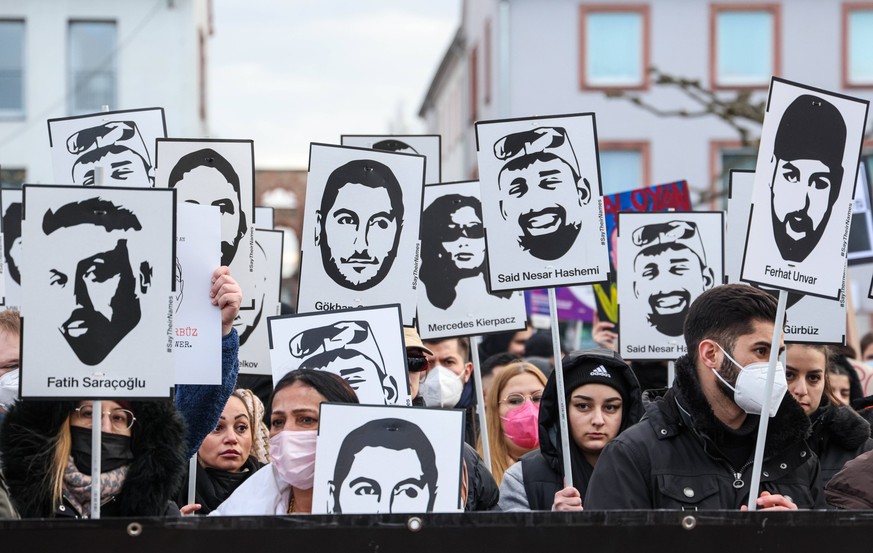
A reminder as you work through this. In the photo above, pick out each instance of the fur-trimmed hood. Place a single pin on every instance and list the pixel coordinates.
(789, 426)
(28, 438)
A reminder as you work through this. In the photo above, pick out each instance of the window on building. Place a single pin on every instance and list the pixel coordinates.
(11, 68)
(857, 45)
(729, 159)
(745, 45)
(614, 46)
(93, 66)
(623, 167)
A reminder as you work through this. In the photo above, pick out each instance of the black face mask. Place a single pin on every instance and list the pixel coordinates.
(114, 450)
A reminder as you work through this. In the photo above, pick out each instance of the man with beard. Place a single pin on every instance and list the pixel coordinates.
(205, 177)
(695, 446)
(358, 223)
(105, 286)
(541, 190)
(670, 272)
(807, 176)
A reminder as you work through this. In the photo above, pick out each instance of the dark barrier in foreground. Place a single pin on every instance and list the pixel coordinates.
(673, 531)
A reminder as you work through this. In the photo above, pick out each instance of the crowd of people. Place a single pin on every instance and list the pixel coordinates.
(687, 446)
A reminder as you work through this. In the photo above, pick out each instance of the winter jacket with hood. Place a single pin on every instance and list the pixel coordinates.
(839, 434)
(28, 439)
(531, 483)
(674, 458)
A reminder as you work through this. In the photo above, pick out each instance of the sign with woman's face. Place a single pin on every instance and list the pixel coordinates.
(541, 202)
(804, 183)
(97, 292)
(666, 261)
(219, 173)
(372, 460)
(360, 229)
(453, 298)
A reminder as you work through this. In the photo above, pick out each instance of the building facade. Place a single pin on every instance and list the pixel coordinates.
(517, 58)
(60, 58)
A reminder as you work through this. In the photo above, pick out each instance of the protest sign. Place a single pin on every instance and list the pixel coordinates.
(427, 145)
(254, 342)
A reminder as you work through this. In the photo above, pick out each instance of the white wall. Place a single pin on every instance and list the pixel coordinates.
(157, 65)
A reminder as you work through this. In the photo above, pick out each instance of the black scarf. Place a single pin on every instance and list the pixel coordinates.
(214, 486)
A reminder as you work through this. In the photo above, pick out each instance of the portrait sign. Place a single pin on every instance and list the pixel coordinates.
(804, 183)
(376, 459)
(113, 148)
(220, 173)
(10, 226)
(427, 145)
(662, 197)
(666, 261)
(197, 323)
(453, 298)
(360, 230)
(808, 319)
(97, 292)
(364, 346)
(254, 340)
(861, 232)
(541, 202)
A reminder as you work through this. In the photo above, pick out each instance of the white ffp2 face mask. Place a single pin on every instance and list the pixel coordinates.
(751, 386)
(442, 388)
(9, 388)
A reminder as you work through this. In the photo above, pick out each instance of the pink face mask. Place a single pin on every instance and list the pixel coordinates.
(521, 425)
(292, 456)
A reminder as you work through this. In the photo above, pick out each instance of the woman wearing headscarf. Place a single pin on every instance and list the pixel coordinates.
(603, 399)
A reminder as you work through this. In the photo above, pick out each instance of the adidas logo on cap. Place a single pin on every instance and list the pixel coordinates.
(601, 371)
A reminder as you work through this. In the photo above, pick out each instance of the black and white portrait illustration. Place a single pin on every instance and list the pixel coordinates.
(219, 173)
(809, 319)
(360, 229)
(254, 346)
(804, 183)
(454, 298)
(542, 204)
(364, 346)
(427, 145)
(373, 460)
(115, 148)
(96, 291)
(196, 322)
(10, 226)
(667, 260)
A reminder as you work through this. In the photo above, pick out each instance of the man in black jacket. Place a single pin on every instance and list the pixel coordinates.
(695, 447)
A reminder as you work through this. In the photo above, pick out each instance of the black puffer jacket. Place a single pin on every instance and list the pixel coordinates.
(27, 441)
(671, 459)
(542, 470)
(839, 434)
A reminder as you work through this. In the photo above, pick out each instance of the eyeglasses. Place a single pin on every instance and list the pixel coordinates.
(454, 232)
(517, 399)
(416, 364)
(120, 419)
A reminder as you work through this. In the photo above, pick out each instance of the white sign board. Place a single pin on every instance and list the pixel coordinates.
(371, 460)
(113, 148)
(804, 183)
(666, 261)
(197, 323)
(427, 145)
(254, 340)
(542, 202)
(360, 230)
(364, 346)
(97, 292)
(453, 297)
